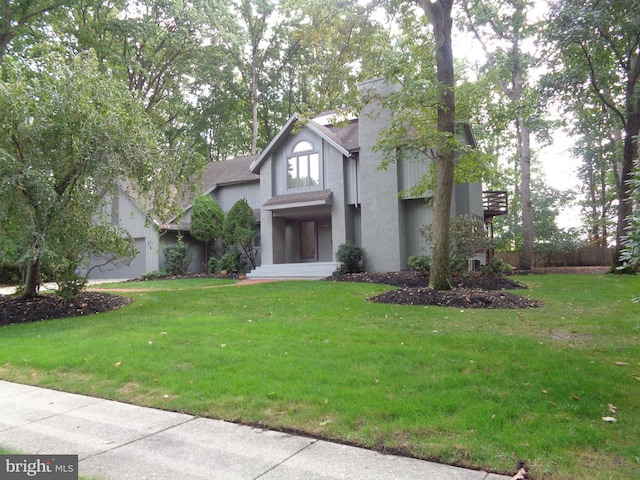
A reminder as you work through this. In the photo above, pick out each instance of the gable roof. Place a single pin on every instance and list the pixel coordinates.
(228, 172)
(324, 132)
(217, 174)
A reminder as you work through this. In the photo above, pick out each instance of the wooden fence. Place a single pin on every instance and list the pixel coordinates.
(584, 257)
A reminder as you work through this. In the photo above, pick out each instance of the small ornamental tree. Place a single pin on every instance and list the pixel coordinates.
(71, 134)
(239, 229)
(468, 237)
(207, 220)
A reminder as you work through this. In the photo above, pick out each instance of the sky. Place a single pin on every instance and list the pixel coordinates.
(560, 170)
(557, 164)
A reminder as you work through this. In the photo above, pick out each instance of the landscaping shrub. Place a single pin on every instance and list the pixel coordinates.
(207, 219)
(70, 284)
(419, 263)
(177, 258)
(240, 230)
(350, 257)
(155, 275)
(212, 267)
(232, 262)
(496, 267)
(459, 265)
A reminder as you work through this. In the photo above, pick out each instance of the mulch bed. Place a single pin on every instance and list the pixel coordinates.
(47, 306)
(469, 291)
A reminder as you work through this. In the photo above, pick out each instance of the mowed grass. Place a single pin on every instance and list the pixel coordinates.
(483, 389)
(176, 284)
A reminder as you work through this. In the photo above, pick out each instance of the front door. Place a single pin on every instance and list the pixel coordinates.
(308, 241)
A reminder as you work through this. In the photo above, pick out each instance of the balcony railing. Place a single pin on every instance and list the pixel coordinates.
(495, 203)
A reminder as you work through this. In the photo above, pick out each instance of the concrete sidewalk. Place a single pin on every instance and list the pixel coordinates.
(120, 441)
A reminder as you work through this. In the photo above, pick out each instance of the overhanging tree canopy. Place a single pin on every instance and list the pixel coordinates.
(70, 135)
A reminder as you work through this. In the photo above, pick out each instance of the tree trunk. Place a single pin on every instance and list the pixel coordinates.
(524, 147)
(625, 209)
(206, 256)
(5, 39)
(31, 281)
(603, 207)
(255, 99)
(440, 277)
(439, 14)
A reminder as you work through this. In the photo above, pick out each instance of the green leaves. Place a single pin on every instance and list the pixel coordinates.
(240, 229)
(70, 134)
(207, 218)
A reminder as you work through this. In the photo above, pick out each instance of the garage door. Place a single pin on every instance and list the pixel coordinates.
(137, 267)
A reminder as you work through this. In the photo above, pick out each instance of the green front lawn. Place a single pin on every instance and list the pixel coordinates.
(478, 388)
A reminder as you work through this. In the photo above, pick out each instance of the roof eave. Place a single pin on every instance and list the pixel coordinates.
(274, 142)
(314, 126)
(285, 130)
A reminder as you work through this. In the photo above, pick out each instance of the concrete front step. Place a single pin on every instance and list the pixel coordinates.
(295, 270)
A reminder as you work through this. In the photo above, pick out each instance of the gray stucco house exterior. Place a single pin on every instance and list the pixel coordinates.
(320, 186)
(317, 186)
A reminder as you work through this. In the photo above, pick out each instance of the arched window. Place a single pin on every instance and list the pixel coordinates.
(304, 167)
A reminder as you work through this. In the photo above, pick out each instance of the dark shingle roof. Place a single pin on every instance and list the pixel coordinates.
(228, 171)
(315, 197)
(345, 135)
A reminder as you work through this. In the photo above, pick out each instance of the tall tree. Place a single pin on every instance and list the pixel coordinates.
(600, 160)
(502, 28)
(154, 46)
(256, 17)
(71, 134)
(439, 14)
(421, 128)
(597, 44)
(339, 44)
(19, 16)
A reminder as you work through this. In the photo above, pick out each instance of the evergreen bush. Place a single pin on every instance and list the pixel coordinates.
(232, 262)
(496, 267)
(459, 265)
(350, 257)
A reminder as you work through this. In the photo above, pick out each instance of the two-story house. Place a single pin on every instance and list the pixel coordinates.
(317, 186)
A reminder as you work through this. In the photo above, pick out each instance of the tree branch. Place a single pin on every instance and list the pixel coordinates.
(491, 59)
(596, 86)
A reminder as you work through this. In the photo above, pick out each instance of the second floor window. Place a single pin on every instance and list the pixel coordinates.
(304, 167)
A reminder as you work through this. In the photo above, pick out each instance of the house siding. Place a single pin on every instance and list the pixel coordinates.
(339, 221)
(228, 195)
(128, 215)
(411, 171)
(354, 201)
(417, 214)
(382, 218)
(350, 175)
